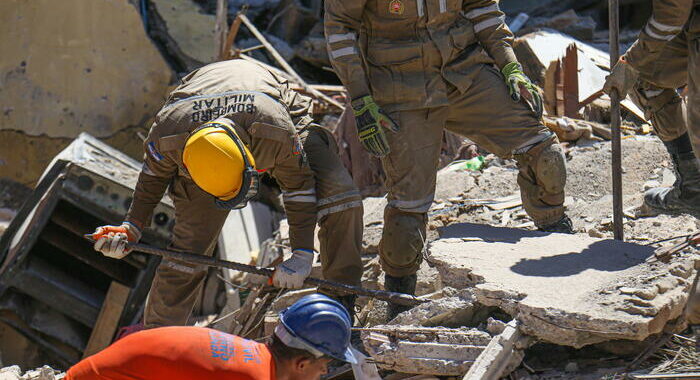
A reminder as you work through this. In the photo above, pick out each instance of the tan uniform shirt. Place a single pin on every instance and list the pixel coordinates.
(405, 52)
(266, 114)
(668, 19)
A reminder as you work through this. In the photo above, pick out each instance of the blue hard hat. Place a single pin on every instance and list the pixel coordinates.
(318, 324)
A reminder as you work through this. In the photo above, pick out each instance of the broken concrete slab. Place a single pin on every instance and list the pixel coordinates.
(190, 28)
(430, 351)
(453, 309)
(565, 289)
(67, 71)
(502, 355)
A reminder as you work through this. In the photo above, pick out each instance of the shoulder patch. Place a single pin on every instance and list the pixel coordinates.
(153, 152)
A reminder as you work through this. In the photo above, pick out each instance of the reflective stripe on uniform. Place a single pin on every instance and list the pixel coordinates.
(421, 205)
(489, 23)
(443, 6)
(304, 196)
(651, 33)
(333, 38)
(339, 208)
(419, 4)
(343, 52)
(664, 27)
(338, 197)
(146, 170)
(653, 93)
(481, 11)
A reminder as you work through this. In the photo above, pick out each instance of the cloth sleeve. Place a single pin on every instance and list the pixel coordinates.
(491, 30)
(342, 26)
(667, 20)
(156, 174)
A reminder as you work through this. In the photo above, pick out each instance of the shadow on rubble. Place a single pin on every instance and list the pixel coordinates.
(605, 255)
(488, 233)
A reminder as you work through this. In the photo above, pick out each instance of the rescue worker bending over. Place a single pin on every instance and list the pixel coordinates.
(311, 333)
(414, 68)
(664, 58)
(226, 123)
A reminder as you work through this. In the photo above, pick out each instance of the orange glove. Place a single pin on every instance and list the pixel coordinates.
(113, 241)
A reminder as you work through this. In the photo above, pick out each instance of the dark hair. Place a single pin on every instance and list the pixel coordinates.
(282, 352)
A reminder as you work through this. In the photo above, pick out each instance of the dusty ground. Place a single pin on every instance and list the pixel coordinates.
(588, 189)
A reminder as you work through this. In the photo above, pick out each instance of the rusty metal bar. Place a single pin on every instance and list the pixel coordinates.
(615, 121)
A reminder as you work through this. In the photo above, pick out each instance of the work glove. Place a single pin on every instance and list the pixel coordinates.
(371, 122)
(112, 240)
(520, 85)
(292, 272)
(622, 78)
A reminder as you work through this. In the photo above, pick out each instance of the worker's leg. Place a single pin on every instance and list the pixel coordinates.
(486, 114)
(176, 285)
(656, 93)
(694, 92)
(410, 179)
(339, 212)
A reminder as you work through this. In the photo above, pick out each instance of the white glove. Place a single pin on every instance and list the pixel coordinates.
(292, 272)
(112, 240)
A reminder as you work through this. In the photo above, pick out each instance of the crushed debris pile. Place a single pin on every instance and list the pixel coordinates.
(43, 373)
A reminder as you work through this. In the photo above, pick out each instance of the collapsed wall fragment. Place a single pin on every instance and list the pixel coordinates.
(565, 289)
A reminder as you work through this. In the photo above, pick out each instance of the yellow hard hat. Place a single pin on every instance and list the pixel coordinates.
(215, 161)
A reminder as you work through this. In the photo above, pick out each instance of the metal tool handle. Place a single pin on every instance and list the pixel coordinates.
(397, 298)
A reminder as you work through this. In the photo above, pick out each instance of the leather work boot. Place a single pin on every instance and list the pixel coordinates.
(563, 226)
(406, 285)
(684, 196)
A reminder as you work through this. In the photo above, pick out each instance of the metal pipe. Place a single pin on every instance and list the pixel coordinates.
(615, 121)
(397, 298)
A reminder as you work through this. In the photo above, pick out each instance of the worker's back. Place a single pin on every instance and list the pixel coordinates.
(173, 353)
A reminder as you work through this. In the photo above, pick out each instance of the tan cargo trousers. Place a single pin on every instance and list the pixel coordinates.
(177, 285)
(485, 114)
(656, 92)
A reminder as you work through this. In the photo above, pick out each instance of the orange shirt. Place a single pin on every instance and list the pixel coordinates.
(178, 353)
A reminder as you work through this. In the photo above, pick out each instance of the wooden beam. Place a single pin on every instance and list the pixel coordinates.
(231, 38)
(108, 319)
(221, 26)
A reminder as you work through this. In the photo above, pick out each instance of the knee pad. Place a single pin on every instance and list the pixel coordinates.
(403, 237)
(546, 163)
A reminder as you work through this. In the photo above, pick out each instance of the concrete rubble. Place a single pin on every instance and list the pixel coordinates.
(499, 293)
(568, 290)
(434, 351)
(43, 373)
(58, 80)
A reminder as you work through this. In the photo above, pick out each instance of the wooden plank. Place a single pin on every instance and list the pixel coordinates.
(108, 319)
(690, 375)
(231, 37)
(221, 26)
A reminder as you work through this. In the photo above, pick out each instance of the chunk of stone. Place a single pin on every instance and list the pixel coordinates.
(565, 289)
(65, 71)
(502, 355)
(430, 351)
(451, 311)
(190, 28)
